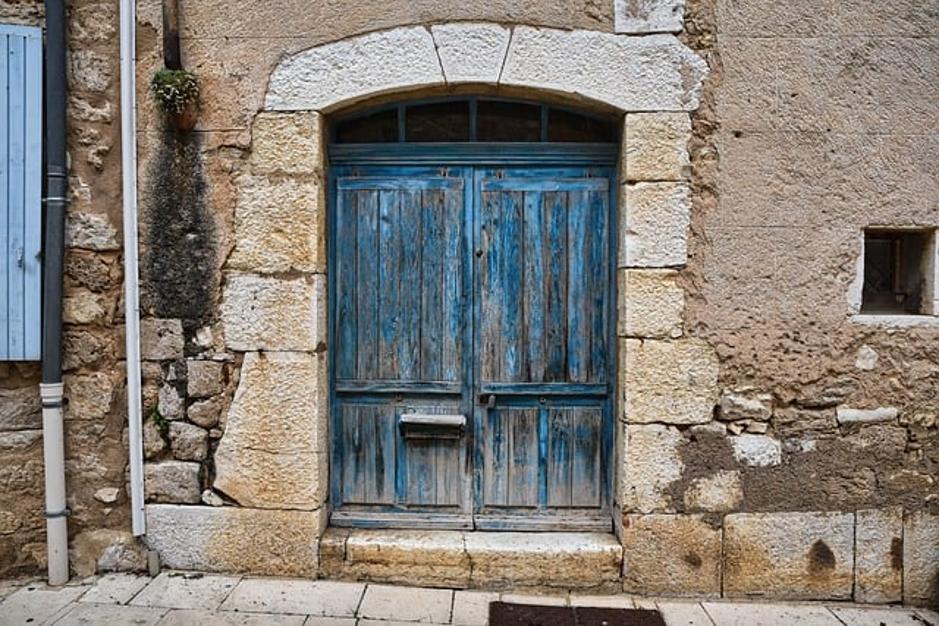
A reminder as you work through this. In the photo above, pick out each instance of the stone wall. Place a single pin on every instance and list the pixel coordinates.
(768, 441)
(96, 451)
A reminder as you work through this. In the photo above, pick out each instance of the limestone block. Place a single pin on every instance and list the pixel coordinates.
(757, 450)
(566, 560)
(91, 231)
(795, 421)
(656, 146)
(673, 382)
(746, 405)
(203, 378)
(471, 52)
(188, 442)
(676, 555)
(806, 556)
(413, 557)
(290, 143)
(229, 539)
(721, 492)
(279, 225)
(879, 546)
(648, 16)
(169, 403)
(920, 558)
(652, 304)
(153, 442)
(847, 415)
(655, 227)
(338, 73)
(273, 453)
(260, 313)
(89, 70)
(654, 73)
(866, 358)
(161, 339)
(205, 413)
(20, 409)
(84, 307)
(89, 395)
(651, 463)
(172, 481)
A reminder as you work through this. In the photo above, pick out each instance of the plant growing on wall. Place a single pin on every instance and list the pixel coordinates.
(177, 95)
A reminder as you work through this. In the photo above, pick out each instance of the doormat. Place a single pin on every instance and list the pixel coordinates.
(507, 614)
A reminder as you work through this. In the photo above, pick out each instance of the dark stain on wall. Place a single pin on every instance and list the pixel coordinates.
(179, 268)
(821, 559)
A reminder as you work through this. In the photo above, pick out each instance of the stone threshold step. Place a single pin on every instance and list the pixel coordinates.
(479, 560)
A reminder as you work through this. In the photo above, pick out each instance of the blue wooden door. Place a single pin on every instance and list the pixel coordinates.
(544, 281)
(471, 328)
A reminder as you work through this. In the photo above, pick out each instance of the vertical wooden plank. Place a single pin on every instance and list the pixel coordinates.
(555, 254)
(32, 219)
(353, 476)
(523, 457)
(368, 286)
(495, 459)
(560, 438)
(432, 284)
(5, 205)
(409, 284)
(422, 480)
(534, 287)
(490, 282)
(598, 264)
(578, 331)
(389, 284)
(453, 304)
(347, 312)
(16, 93)
(586, 456)
(513, 303)
(379, 462)
(448, 488)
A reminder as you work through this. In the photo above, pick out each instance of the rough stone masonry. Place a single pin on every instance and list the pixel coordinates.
(770, 442)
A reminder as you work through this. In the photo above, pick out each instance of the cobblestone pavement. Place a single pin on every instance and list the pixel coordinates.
(175, 598)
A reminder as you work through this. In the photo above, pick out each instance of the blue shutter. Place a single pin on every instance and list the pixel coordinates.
(20, 190)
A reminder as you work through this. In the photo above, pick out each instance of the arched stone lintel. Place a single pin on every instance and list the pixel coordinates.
(627, 73)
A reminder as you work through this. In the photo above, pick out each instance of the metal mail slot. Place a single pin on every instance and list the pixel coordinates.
(432, 426)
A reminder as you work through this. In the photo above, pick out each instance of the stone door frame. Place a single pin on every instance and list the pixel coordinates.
(273, 457)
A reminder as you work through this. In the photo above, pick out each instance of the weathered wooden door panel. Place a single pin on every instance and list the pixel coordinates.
(544, 285)
(400, 284)
(471, 355)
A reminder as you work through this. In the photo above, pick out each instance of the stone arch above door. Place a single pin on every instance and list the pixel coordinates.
(628, 73)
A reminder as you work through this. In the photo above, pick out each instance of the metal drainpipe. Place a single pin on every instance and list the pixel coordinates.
(56, 201)
(131, 274)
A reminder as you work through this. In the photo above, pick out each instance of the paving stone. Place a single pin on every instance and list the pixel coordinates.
(115, 588)
(189, 617)
(684, 613)
(732, 614)
(177, 590)
(620, 601)
(37, 603)
(876, 617)
(524, 598)
(335, 621)
(110, 614)
(304, 597)
(410, 604)
(471, 608)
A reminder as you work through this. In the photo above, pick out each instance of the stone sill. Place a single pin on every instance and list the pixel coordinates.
(493, 560)
(896, 321)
